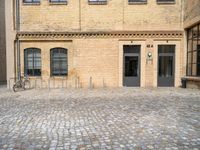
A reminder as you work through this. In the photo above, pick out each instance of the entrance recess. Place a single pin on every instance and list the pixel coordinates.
(166, 65)
(131, 71)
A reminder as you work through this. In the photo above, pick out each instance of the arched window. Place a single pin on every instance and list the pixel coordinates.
(59, 63)
(32, 62)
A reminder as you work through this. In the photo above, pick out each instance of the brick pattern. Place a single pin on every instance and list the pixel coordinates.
(116, 15)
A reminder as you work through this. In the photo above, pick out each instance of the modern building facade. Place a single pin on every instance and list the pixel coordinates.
(98, 43)
(2, 44)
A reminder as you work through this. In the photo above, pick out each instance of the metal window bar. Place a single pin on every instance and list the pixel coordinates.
(59, 62)
(32, 62)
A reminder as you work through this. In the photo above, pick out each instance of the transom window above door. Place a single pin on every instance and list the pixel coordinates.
(97, 2)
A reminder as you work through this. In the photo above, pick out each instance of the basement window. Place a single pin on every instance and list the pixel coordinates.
(97, 2)
(137, 2)
(166, 1)
(31, 1)
(58, 2)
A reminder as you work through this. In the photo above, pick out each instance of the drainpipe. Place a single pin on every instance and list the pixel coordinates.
(80, 15)
(17, 39)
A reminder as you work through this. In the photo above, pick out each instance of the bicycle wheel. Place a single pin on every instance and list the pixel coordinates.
(26, 84)
(15, 88)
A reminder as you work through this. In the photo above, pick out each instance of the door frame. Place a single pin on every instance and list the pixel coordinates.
(177, 63)
(142, 43)
(174, 62)
(139, 64)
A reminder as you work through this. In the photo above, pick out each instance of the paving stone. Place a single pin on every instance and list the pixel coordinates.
(120, 118)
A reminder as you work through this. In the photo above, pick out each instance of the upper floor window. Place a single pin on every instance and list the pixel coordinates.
(59, 62)
(31, 1)
(58, 1)
(137, 1)
(100, 2)
(32, 62)
(165, 1)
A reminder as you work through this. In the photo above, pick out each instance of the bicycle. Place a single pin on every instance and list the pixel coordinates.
(24, 84)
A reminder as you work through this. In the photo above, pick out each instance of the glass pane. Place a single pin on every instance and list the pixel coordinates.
(132, 49)
(194, 69)
(195, 43)
(189, 45)
(198, 69)
(190, 33)
(166, 48)
(189, 57)
(131, 66)
(189, 70)
(195, 31)
(194, 60)
(198, 57)
(165, 66)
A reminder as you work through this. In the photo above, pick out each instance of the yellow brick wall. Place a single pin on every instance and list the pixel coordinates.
(97, 58)
(100, 57)
(191, 12)
(116, 15)
(102, 60)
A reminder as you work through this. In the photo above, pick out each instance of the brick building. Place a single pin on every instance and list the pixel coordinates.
(100, 43)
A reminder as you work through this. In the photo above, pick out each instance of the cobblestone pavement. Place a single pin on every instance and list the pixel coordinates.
(119, 119)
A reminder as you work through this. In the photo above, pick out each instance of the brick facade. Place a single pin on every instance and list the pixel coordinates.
(95, 34)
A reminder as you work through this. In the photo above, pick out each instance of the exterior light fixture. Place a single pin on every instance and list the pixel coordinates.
(149, 55)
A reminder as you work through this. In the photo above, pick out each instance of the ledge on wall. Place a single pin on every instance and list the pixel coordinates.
(191, 82)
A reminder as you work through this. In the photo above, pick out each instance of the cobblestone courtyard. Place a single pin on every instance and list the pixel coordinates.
(127, 118)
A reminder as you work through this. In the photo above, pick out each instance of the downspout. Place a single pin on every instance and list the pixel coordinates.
(17, 39)
(80, 15)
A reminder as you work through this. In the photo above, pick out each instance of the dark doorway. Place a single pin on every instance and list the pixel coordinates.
(131, 65)
(166, 65)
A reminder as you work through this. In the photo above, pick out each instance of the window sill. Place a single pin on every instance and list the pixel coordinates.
(31, 4)
(98, 3)
(137, 3)
(192, 78)
(34, 77)
(58, 3)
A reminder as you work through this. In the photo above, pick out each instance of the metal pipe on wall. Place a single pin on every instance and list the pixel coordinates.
(17, 5)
